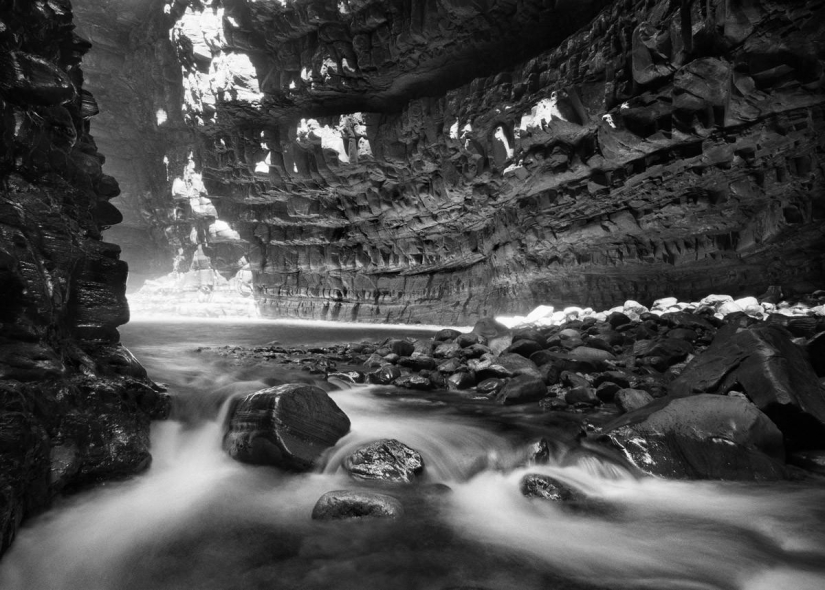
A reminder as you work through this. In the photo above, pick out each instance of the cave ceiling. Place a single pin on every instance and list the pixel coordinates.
(439, 160)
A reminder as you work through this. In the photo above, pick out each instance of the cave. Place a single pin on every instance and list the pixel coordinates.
(596, 212)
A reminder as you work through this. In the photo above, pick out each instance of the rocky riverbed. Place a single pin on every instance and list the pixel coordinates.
(717, 389)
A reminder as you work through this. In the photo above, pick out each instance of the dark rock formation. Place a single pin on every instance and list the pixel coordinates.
(772, 371)
(349, 504)
(385, 460)
(628, 400)
(534, 485)
(447, 160)
(288, 426)
(703, 436)
(74, 405)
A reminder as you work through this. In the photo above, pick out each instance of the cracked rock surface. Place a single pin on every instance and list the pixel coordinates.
(439, 161)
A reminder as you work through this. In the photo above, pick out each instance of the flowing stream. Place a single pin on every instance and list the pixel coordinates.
(199, 520)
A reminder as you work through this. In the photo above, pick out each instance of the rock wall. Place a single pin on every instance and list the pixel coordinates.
(74, 405)
(437, 161)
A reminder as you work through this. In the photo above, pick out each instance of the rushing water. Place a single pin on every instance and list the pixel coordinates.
(198, 520)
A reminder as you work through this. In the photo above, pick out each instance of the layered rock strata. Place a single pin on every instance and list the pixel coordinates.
(74, 405)
(654, 147)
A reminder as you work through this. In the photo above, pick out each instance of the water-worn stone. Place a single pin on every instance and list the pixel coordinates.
(354, 504)
(582, 394)
(518, 365)
(773, 372)
(700, 437)
(491, 385)
(288, 426)
(385, 375)
(522, 389)
(418, 382)
(628, 400)
(461, 380)
(401, 347)
(446, 334)
(524, 348)
(417, 362)
(535, 485)
(385, 460)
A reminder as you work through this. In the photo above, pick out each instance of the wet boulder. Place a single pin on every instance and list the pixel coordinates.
(772, 371)
(400, 347)
(460, 380)
(524, 347)
(450, 366)
(385, 375)
(418, 362)
(418, 382)
(666, 352)
(629, 400)
(522, 389)
(385, 460)
(288, 426)
(582, 395)
(700, 437)
(518, 365)
(446, 334)
(446, 350)
(350, 504)
(492, 385)
(596, 357)
(469, 339)
(535, 485)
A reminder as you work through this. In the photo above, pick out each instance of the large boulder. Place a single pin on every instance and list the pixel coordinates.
(348, 504)
(385, 460)
(288, 426)
(772, 371)
(700, 437)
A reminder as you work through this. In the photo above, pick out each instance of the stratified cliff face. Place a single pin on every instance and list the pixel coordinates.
(74, 405)
(440, 160)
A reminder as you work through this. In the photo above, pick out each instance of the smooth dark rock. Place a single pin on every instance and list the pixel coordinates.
(772, 371)
(465, 340)
(401, 347)
(518, 365)
(524, 348)
(606, 392)
(417, 363)
(629, 400)
(530, 334)
(288, 426)
(594, 356)
(522, 389)
(582, 394)
(491, 385)
(446, 334)
(534, 485)
(700, 437)
(492, 371)
(385, 460)
(617, 319)
(385, 375)
(460, 381)
(451, 366)
(446, 350)
(418, 382)
(355, 504)
(816, 353)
